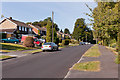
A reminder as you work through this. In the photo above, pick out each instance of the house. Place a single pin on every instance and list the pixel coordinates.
(37, 30)
(14, 28)
(62, 35)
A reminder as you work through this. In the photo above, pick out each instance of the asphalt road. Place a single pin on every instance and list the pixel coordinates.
(44, 64)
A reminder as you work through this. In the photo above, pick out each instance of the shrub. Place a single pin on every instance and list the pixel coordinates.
(65, 42)
(60, 44)
(29, 42)
(74, 41)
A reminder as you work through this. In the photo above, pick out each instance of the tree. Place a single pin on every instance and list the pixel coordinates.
(49, 32)
(79, 29)
(61, 31)
(105, 21)
(66, 31)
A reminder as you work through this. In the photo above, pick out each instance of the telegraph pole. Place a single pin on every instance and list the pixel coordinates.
(52, 27)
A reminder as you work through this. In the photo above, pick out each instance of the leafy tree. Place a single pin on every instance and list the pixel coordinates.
(105, 21)
(49, 32)
(80, 30)
(66, 31)
(61, 31)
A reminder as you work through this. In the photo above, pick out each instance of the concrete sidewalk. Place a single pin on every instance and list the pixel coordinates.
(108, 67)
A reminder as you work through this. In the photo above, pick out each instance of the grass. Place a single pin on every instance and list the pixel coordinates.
(33, 51)
(13, 47)
(4, 56)
(93, 52)
(87, 66)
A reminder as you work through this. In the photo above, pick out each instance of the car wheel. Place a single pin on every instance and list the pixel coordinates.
(3, 41)
(15, 42)
(43, 50)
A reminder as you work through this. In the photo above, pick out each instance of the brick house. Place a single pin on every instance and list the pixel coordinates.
(41, 31)
(14, 28)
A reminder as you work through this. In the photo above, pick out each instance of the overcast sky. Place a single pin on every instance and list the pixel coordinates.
(65, 13)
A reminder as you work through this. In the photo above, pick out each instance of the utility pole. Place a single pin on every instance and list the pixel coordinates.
(52, 27)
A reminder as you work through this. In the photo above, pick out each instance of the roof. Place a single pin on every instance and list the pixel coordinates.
(7, 30)
(17, 22)
(38, 27)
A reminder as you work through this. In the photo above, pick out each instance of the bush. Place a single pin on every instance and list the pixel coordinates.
(74, 41)
(65, 42)
(29, 42)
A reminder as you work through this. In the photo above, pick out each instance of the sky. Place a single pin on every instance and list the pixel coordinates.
(65, 13)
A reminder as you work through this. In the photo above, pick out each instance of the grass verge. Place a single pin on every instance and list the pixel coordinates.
(33, 51)
(87, 66)
(93, 52)
(4, 56)
(12, 47)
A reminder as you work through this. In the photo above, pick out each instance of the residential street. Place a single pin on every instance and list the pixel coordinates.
(44, 64)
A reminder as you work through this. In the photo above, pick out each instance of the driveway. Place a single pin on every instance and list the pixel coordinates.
(54, 64)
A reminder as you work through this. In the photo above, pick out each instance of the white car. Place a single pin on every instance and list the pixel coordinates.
(49, 46)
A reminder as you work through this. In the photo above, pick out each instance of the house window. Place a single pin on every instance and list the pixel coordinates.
(19, 27)
(30, 29)
(25, 29)
(22, 28)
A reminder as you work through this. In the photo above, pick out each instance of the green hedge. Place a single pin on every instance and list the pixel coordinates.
(65, 42)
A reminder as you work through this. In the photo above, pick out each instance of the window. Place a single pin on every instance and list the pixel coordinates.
(22, 28)
(25, 29)
(19, 27)
(30, 29)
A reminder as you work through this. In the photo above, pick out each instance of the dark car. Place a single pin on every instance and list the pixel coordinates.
(11, 40)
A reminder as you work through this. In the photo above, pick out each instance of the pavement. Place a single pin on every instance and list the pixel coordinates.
(109, 70)
(17, 53)
(54, 64)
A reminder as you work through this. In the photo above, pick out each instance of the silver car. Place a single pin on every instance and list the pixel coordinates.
(49, 46)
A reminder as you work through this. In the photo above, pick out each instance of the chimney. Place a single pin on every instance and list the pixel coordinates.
(10, 17)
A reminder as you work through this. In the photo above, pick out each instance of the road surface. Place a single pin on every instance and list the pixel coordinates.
(54, 64)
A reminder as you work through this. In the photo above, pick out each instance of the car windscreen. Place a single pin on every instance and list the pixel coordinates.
(47, 43)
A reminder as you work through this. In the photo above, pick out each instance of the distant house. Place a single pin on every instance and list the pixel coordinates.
(37, 30)
(14, 28)
(62, 35)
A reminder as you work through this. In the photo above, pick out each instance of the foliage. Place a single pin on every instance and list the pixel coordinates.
(66, 31)
(81, 31)
(44, 23)
(74, 41)
(49, 32)
(105, 21)
(29, 42)
(61, 31)
(65, 42)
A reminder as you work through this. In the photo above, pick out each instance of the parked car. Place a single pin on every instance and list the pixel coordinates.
(11, 40)
(81, 43)
(37, 42)
(49, 46)
(42, 40)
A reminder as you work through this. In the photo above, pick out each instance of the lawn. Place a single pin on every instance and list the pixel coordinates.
(33, 51)
(87, 66)
(93, 52)
(4, 56)
(8, 47)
